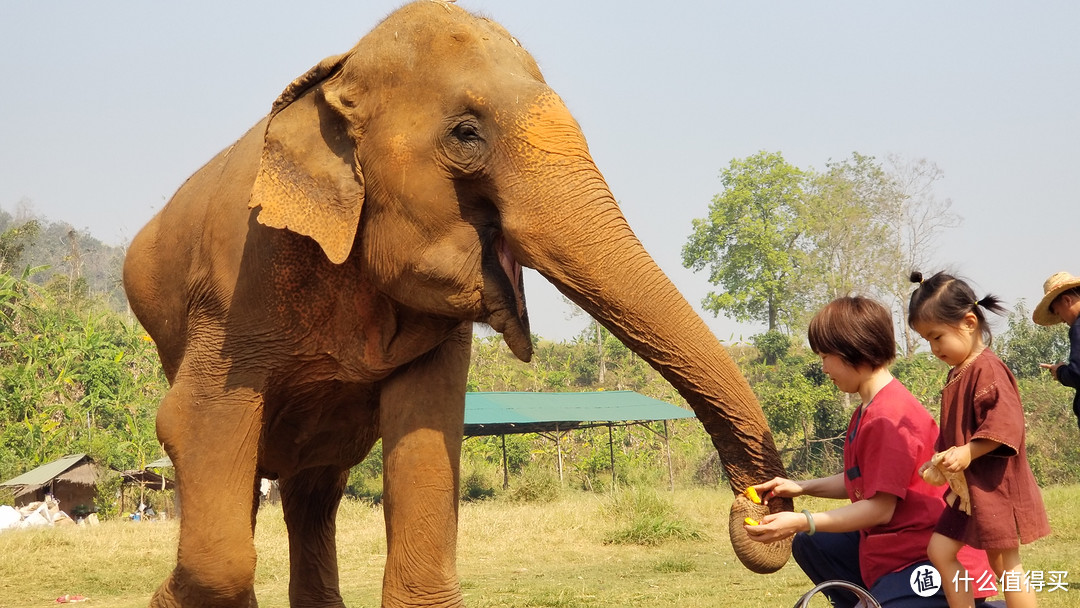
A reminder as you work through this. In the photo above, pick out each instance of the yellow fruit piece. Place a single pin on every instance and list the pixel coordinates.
(750, 521)
(751, 493)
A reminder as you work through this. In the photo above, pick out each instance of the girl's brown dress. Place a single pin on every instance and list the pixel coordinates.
(981, 401)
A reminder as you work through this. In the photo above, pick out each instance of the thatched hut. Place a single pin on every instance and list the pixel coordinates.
(72, 480)
(146, 480)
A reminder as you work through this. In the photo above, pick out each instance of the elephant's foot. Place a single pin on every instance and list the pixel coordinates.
(327, 598)
(175, 594)
(413, 598)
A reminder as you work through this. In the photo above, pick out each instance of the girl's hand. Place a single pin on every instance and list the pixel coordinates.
(777, 526)
(957, 458)
(778, 487)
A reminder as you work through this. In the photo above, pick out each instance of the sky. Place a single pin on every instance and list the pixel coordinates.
(107, 107)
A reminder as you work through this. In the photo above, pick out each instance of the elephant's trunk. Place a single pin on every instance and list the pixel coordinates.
(579, 240)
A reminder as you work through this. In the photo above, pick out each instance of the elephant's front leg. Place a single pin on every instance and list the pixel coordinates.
(422, 421)
(310, 501)
(212, 436)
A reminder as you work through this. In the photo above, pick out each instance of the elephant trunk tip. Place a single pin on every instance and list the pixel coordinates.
(760, 558)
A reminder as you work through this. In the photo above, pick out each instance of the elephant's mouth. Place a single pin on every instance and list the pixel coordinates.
(508, 314)
(513, 273)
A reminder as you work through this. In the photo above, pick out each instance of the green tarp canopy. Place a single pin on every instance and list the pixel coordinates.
(508, 413)
(552, 415)
(511, 412)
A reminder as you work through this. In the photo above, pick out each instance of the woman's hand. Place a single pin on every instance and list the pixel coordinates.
(778, 487)
(777, 526)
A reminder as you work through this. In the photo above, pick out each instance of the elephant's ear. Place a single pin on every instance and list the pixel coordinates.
(308, 181)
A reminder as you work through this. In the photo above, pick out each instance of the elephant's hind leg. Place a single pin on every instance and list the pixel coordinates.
(310, 501)
(212, 439)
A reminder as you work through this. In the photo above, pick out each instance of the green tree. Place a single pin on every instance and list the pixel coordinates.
(75, 376)
(85, 263)
(870, 224)
(919, 218)
(923, 374)
(848, 222)
(773, 346)
(804, 410)
(1025, 345)
(752, 242)
(13, 242)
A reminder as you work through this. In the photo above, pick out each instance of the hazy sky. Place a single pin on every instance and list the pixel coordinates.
(107, 107)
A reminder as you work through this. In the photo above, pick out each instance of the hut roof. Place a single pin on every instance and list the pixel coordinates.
(77, 468)
(148, 479)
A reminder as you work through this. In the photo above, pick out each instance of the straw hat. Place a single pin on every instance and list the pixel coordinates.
(1053, 287)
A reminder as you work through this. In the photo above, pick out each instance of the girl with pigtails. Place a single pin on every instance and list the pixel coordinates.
(981, 444)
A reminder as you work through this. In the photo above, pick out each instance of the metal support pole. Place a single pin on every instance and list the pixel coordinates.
(506, 469)
(611, 450)
(667, 450)
(558, 450)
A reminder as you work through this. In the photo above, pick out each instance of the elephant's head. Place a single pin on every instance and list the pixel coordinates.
(435, 152)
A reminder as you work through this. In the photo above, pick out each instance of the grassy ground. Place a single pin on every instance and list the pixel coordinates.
(557, 555)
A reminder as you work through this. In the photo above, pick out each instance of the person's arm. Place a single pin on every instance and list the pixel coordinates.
(859, 515)
(824, 487)
(1069, 373)
(958, 458)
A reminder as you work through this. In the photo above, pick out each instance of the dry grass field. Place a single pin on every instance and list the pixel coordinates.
(562, 554)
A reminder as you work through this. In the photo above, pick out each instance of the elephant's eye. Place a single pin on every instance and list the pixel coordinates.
(464, 146)
(467, 131)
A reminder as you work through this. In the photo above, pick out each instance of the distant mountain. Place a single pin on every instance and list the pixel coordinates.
(70, 254)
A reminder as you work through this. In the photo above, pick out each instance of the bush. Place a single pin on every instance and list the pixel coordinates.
(108, 507)
(364, 488)
(1025, 345)
(772, 345)
(1052, 448)
(476, 486)
(709, 471)
(923, 375)
(534, 485)
(646, 518)
(804, 411)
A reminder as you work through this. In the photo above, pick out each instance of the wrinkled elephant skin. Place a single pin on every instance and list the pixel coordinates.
(313, 288)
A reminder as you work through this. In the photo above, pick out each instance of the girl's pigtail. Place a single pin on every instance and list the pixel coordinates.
(916, 277)
(993, 303)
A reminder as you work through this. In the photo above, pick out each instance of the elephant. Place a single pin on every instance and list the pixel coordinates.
(313, 288)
